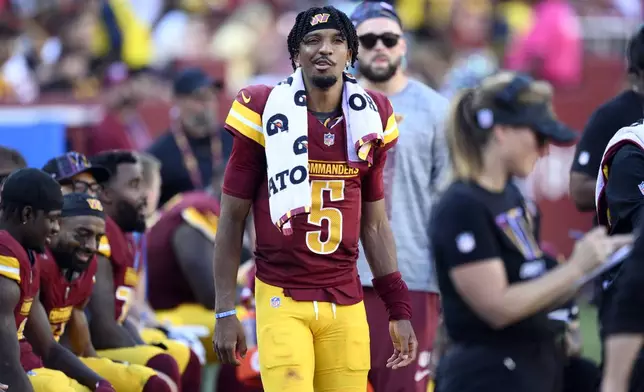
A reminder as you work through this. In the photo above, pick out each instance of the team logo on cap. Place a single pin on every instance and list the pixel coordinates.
(319, 18)
(95, 204)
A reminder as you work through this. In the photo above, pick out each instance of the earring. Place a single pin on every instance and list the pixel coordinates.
(24, 223)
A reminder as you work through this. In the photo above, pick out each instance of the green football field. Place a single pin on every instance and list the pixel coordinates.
(588, 316)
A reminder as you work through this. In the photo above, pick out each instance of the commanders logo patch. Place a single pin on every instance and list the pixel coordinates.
(95, 204)
(319, 18)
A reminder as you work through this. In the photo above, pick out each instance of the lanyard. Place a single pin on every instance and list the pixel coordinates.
(140, 251)
(189, 159)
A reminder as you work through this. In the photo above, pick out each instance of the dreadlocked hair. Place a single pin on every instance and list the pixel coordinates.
(299, 30)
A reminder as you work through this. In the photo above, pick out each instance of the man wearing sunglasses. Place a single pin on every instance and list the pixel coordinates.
(75, 173)
(414, 170)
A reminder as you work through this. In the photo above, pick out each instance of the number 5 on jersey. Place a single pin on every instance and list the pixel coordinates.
(321, 215)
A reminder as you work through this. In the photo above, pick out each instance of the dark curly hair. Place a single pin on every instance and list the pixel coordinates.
(112, 159)
(303, 19)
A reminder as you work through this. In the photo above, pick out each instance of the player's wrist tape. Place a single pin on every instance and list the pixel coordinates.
(225, 314)
(393, 291)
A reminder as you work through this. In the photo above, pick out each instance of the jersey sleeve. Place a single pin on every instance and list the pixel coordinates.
(206, 224)
(246, 166)
(245, 169)
(104, 247)
(594, 139)
(373, 187)
(373, 183)
(9, 264)
(388, 118)
(462, 232)
(625, 186)
(245, 115)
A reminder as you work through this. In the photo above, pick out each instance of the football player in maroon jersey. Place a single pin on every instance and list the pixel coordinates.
(311, 321)
(117, 276)
(31, 204)
(68, 269)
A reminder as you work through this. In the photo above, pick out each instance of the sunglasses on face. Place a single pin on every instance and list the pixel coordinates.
(369, 41)
(84, 186)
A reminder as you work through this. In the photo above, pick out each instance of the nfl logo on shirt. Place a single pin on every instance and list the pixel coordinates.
(641, 187)
(275, 302)
(329, 139)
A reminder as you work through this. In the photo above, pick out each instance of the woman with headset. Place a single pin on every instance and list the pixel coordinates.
(495, 287)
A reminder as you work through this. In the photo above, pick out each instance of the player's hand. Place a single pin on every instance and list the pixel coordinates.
(3, 387)
(405, 344)
(229, 340)
(596, 247)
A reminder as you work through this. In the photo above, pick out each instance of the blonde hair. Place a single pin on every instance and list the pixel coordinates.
(150, 165)
(466, 140)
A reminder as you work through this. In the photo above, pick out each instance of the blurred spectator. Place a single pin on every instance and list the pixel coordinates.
(552, 49)
(122, 36)
(264, 46)
(65, 62)
(195, 145)
(472, 57)
(17, 84)
(168, 33)
(122, 127)
(518, 15)
(632, 9)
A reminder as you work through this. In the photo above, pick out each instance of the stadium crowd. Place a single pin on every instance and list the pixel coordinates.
(176, 235)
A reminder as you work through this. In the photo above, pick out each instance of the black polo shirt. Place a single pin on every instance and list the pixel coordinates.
(175, 177)
(471, 224)
(621, 111)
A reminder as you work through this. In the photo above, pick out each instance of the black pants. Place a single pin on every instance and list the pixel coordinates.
(581, 375)
(519, 368)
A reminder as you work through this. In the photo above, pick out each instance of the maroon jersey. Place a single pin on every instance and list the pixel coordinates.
(167, 287)
(119, 249)
(17, 265)
(59, 296)
(318, 261)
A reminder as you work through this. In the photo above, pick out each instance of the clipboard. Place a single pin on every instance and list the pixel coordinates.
(615, 259)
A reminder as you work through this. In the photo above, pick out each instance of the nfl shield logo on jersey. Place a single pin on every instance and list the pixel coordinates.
(329, 139)
(275, 302)
(641, 187)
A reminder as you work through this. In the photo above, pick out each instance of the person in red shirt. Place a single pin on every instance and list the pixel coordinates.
(311, 322)
(31, 204)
